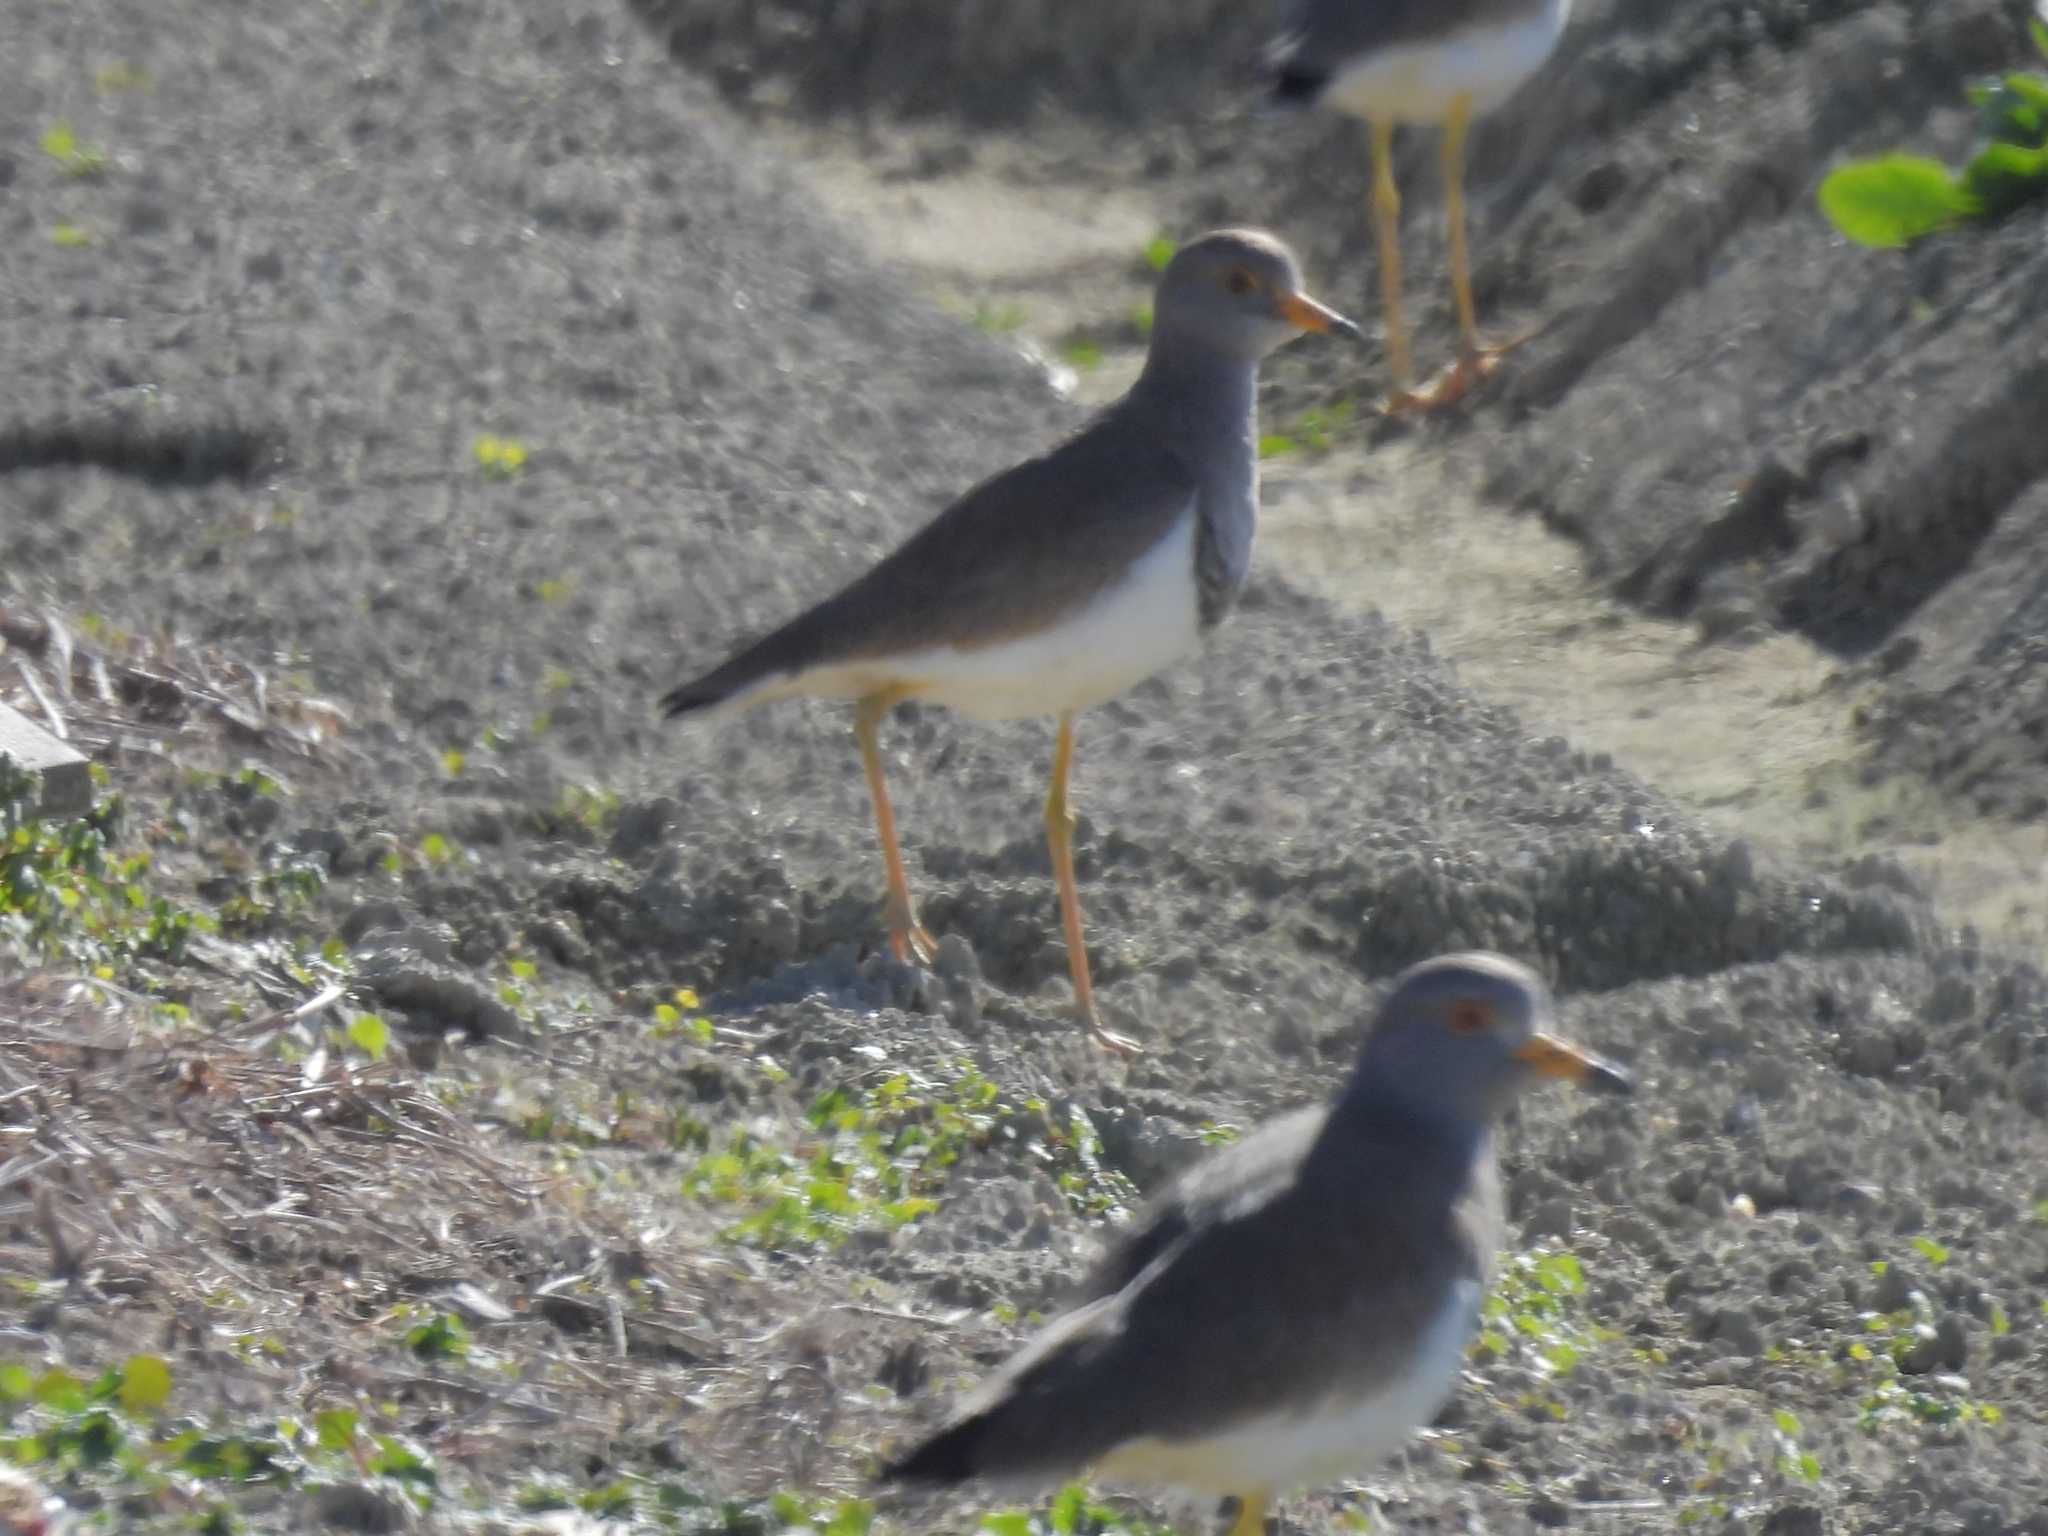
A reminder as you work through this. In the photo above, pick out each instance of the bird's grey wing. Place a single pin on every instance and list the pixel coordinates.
(1244, 1172)
(1016, 553)
(1231, 1322)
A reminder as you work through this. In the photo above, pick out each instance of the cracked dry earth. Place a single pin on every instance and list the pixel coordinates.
(327, 250)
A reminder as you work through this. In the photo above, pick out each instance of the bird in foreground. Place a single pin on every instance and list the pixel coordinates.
(1292, 1308)
(1063, 581)
(1418, 61)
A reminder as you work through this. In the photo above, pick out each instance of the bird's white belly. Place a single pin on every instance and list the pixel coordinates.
(1125, 634)
(1337, 1438)
(1417, 82)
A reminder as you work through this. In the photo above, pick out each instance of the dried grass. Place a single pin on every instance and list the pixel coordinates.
(139, 695)
(262, 1222)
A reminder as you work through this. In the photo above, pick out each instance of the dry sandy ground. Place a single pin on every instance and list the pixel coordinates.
(326, 251)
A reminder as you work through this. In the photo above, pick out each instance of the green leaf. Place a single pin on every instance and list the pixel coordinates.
(368, 1034)
(852, 1518)
(1158, 252)
(1007, 1522)
(336, 1428)
(1065, 1513)
(17, 1384)
(1931, 1251)
(1273, 445)
(2003, 176)
(2037, 29)
(1081, 354)
(1893, 200)
(60, 1392)
(1787, 1422)
(145, 1384)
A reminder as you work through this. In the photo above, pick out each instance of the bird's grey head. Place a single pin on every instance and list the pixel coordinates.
(1462, 1035)
(1237, 293)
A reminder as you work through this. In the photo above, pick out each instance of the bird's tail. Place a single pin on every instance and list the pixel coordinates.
(751, 677)
(951, 1456)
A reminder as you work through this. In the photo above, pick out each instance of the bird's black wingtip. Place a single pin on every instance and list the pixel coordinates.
(1296, 86)
(686, 699)
(947, 1457)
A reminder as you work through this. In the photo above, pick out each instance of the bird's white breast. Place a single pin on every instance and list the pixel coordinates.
(1417, 82)
(1338, 1437)
(1124, 634)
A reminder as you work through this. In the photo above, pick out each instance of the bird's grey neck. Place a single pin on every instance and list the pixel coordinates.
(1439, 1139)
(1202, 391)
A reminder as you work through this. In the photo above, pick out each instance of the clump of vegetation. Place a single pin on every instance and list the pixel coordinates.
(1894, 200)
(1536, 1314)
(73, 156)
(1070, 1513)
(499, 458)
(878, 1159)
(114, 1436)
(67, 899)
(1315, 430)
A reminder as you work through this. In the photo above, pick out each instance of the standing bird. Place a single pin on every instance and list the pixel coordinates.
(1291, 1309)
(1418, 61)
(1062, 582)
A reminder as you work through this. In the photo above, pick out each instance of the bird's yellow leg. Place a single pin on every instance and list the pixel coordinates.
(1059, 836)
(905, 935)
(1386, 218)
(1251, 1514)
(1475, 362)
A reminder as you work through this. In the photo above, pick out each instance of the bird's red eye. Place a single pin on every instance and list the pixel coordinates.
(1468, 1016)
(1240, 281)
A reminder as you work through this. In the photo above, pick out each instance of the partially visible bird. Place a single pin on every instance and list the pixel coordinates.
(1294, 1307)
(1062, 582)
(1418, 61)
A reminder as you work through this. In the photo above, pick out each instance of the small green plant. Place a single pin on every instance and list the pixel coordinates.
(997, 318)
(1071, 1512)
(1081, 353)
(440, 1337)
(500, 458)
(1792, 1460)
(1315, 430)
(1893, 200)
(66, 898)
(880, 1158)
(1159, 251)
(120, 75)
(76, 158)
(1535, 1312)
(71, 237)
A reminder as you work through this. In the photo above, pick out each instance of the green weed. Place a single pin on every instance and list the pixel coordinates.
(880, 1158)
(75, 157)
(1536, 1312)
(499, 458)
(1893, 200)
(66, 898)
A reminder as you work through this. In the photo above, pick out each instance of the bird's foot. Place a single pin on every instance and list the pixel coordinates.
(907, 936)
(1475, 365)
(1107, 1038)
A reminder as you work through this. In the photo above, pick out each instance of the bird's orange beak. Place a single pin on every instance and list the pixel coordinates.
(1303, 312)
(1552, 1057)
